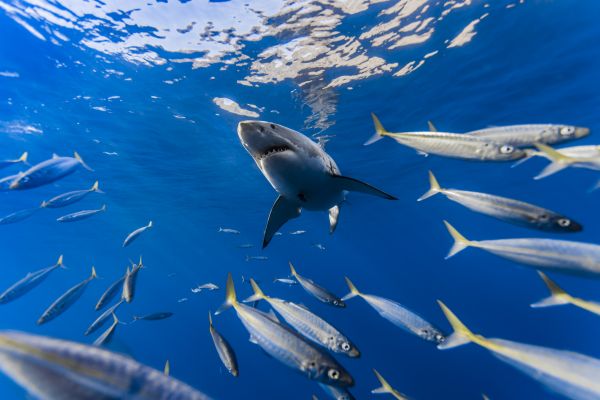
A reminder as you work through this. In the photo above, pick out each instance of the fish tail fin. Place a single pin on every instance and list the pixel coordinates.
(258, 293)
(461, 335)
(220, 229)
(460, 242)
(44, 204)
(292, 269)
(557, 295)
(23, 158)
(209, 319)
(353, 290)
(380, 131)
(59, 262)
(96, 188)
(150, 224)
(559, 161)
(431, 126)
(385, 386)
(434, 188)
(230, 297)
(103, 208)
(93, 275)
(167, 368)
(83, 164)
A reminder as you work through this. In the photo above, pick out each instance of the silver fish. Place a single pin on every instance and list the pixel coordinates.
(110, 293)
(505, 209)
(398, 315)
(79, 215)
(528, 135)
(573, 375)
(586, 152)
(317, 291)
(69, 198)
(308, 324)
(30, 281)
(205, 286)
(286, 281)
(18, 216)
(336, 393)
(108, 334)
(285, 345)
(52, 369)
(134, 235)
(224, 349)
(48, 171)
(553, 255)
(65, 301)
(300, 232)
(256, 258)
(229, 230)
(386, 388)
(8, 180)
(8, 163)
(130, 281)
(101, 320)
(154, 316)
(454, 145)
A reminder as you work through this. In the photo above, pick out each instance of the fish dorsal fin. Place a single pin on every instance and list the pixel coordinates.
(283, 210)
(354, 185)
(54, 155)
(167, 368)
(431, 126)
(334, 213)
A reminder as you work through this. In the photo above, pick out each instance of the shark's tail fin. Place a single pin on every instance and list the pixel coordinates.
(434, 188)
(380, 131)
(461, 335)
(557, 295)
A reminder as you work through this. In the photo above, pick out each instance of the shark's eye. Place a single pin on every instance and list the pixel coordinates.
(273, 126)
(261, 128)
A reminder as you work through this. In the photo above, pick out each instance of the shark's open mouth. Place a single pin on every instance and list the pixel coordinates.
(273, 150)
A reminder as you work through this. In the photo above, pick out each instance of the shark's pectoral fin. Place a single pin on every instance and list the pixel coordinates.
(354, 185)
(334, 213)
(282, 211)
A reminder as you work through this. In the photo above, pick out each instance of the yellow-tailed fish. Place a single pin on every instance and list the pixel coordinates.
(398, 315)
(586, 152)
(528, 134)
(52, 369)
(110, 293)
(101, 320)
(224, 349)
(48, 171)
(69, 198)
(130, 281)
(65, 301)
(560, 161)
(7, 163)
(79, 215)
(285, 345)
(559, 297)
(571, 374)
(450, 144)
(553, 255)
(30, 281)
(134, 235)
(317, 291)
(310, 325)
(386, 388)
(108, 334)
(505, 209)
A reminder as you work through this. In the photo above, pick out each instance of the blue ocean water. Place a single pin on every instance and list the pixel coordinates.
(135, 89)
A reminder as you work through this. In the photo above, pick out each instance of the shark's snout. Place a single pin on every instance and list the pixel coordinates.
(261, 139)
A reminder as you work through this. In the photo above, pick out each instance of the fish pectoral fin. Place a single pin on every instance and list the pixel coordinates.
(334, 213)
(283, 210)
(354, 185)
(551, 169)
(253, 340)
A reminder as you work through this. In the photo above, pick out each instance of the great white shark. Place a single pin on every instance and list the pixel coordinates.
(300, 170)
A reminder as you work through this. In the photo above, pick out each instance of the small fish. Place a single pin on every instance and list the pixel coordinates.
(110, 293)
(8, 163)
(560, 161)
(285, 345)
(571, 374)
(69, 198)
(229, 230)
(398, 315)
(528, 135)
(18, 216)
(205, 286)
(308, 324)
(454, 145)
(256, 258)
(336, 393)
(277, 234)
(554, 255)
(79, 215)
(101, 320)
(110, 153)
(154, 316)
(30, 281)
(319, 292)
(130, 281)
(48, 171)
(386, 388)
(108, 334)
(246, 246)
(54, 369)
(66, 300)
(298, 232)
(559, 297)
(224, 349)
(134, 235)
(319, 246)
(182, 300)
(505, 209)
(287, 281)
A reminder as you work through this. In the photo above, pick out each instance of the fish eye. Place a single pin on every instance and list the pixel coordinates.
(567, 130)
(335, 302)
(333, 374)
(506, 149)
(345, 346)
(564, 222)
(544, 217)
(273, 126)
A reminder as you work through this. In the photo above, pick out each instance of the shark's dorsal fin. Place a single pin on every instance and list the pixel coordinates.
(334, 213)
(282, 211)
(354, 185)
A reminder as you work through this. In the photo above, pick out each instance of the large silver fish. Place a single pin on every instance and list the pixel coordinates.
(529, 134)
(65, 301)
(553, 255)
(130, 281)
(285, 345)
(317, 291)
(505, 209)
(69, 198)
(398, 315)
(450, 144)
(310, 325)
(47, 172)
(52, 369)
(224, 349)
(573, 375)
(30, 281)
(79, 215)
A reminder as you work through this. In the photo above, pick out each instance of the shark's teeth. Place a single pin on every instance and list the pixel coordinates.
(273, 150)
